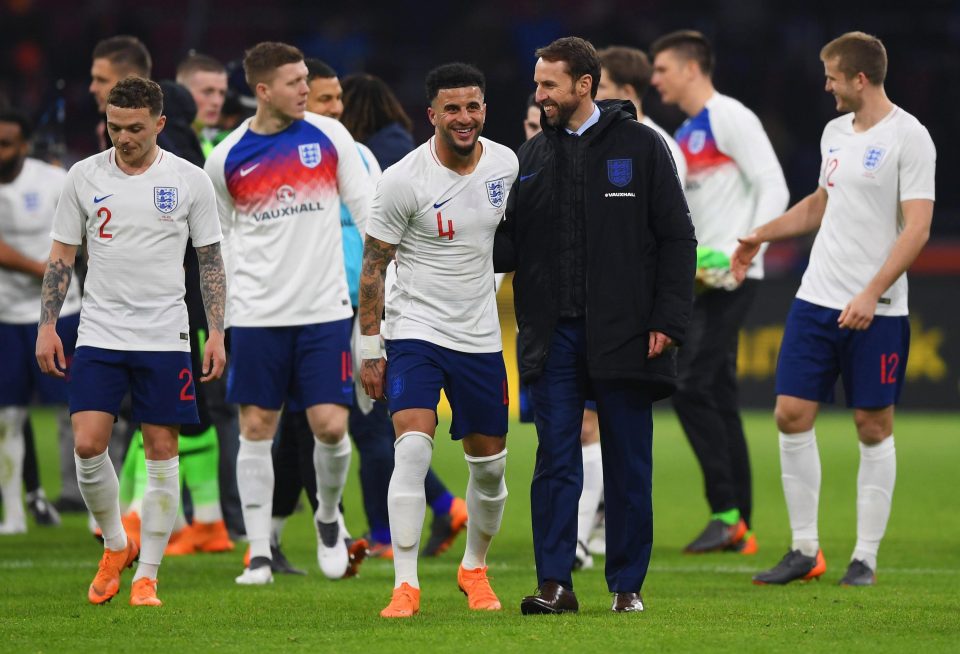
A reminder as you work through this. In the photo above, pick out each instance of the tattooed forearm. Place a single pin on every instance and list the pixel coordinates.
(376, 256)
(56, 281)
(213, 284)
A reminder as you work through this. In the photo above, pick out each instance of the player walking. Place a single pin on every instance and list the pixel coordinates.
(437, 210)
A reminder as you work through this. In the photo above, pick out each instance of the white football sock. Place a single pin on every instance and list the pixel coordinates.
(331, 464)
(100, 489)
(255, 483)
(161, 503)
(592, 491)
(12, 447)
(800, 473)
(486, 495)
(875, 482)
(407, 503)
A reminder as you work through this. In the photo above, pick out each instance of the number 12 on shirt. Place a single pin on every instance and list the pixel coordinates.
(449, 233)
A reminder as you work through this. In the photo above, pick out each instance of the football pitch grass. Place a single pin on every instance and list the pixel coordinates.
(694, 603)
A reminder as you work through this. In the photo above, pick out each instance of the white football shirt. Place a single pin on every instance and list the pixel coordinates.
(136, 228)
(444, 224)
(678, 159)
(734, 181)
(27, 206)
(279, 199)
(866, 176)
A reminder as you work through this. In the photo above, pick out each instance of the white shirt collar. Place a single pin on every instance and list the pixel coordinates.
(588, 123)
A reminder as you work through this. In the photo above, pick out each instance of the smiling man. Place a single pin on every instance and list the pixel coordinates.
(437, 211)
(280, 178)
(872, 211)
(126, 202)
(599, 234)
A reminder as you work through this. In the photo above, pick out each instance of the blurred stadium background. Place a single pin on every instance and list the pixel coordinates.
(767, 58)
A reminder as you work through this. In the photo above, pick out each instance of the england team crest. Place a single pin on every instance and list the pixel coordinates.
(165, 198)
(495, 193)
(873, 157)
(619, 171)
(698, 139)
(310, 154)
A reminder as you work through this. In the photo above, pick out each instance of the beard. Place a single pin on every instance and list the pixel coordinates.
(462, 150)
(563, 114)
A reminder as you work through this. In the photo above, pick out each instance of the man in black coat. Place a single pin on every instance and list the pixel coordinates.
(600, 236)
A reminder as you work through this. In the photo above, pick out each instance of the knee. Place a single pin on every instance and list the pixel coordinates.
(872, 429)
(87, 448)
(328, 423)
(590, 429)
(792, 419)
(258, 424)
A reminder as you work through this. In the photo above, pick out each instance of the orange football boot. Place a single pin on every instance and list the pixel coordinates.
(107, 582)
(476, 586)
(144, 593)
(405, 602)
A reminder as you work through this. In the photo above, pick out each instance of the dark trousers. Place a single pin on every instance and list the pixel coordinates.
(626, 422)
(707, 401)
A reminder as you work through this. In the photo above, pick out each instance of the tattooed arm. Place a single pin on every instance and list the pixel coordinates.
(56, 281)
(376, 257)
(213, 288)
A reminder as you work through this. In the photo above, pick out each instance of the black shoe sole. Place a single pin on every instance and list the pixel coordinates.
(538, 607)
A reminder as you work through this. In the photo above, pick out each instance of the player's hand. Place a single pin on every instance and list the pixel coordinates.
(740, 259)
(658, 343)
(858, 314)
(372, 375)
(50, 351)
(214, 357)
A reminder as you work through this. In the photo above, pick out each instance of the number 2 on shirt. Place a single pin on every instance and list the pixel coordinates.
(104, 213)
(449, 233)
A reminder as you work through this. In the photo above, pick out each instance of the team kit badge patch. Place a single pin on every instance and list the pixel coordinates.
(165, 198)
(495, 193)
(873, 157)
(620, 171)
(310, 154)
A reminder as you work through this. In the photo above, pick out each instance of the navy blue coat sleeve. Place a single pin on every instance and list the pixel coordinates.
(676, 247)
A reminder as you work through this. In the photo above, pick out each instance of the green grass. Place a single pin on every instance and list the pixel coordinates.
(704, 603)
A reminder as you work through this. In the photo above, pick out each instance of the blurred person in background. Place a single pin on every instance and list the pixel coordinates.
(733, 183)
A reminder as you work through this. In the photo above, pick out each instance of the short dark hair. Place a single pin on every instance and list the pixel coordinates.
(578, 54)
(858, 53)
(125, 52)
(369, 105)
(136, 93)
(11, 115)
(688, 44)
(317, 69)
(198, 63)
(455, 75)
(627, 66)
(260, 61)
(532, 101)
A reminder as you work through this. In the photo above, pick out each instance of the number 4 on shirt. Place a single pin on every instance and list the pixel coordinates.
(449, 233)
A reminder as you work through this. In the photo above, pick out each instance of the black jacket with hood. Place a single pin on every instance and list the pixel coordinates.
(640, 248)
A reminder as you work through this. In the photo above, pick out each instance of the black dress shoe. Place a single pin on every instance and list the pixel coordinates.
(550, 597)
(627, 603)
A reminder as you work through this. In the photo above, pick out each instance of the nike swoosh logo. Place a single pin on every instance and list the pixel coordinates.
(97, 200)
(524, 178)
(246, 171)
(832, 149)
(437, 206)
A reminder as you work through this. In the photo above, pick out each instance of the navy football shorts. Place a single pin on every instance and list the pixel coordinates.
(304, 365)
(872, 363)
(475, 385)
(160, 384)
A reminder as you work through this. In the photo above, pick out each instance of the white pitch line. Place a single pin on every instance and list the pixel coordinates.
(23, 564)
